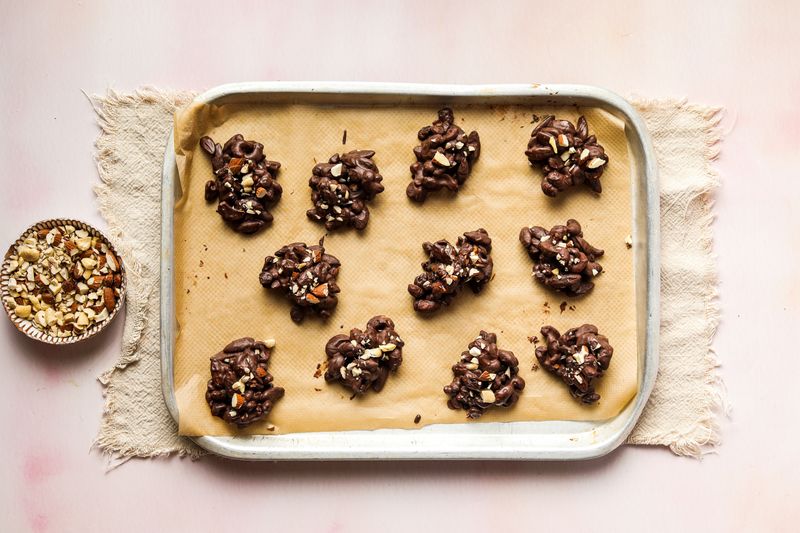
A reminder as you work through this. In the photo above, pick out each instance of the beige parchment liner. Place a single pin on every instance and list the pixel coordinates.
(218, 297)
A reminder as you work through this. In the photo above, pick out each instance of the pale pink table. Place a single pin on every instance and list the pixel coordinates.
(726, 53)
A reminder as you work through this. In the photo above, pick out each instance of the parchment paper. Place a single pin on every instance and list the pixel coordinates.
(218, 297)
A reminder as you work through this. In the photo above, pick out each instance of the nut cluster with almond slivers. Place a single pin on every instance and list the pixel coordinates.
(579, 357)
(445, 157)
(567, 155)
(240, 390)
(565, 262)
(450, 268)
(306, 275)
(63, 280)
(486, 376)
(244, 183)
(363, 360)
(341, 188)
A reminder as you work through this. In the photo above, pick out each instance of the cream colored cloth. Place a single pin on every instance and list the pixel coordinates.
(682, 410)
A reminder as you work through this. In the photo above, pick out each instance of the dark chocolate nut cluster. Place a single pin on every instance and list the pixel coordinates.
(341, 188)
(306, 275)
(240, 390)
(567, 155)
(444, 157)
(485, 376)
(565, 262)
(579, 357)
(449, 268)
(363, 359)
(244, 183)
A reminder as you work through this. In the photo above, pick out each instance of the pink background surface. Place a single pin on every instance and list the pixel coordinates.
(733, 53)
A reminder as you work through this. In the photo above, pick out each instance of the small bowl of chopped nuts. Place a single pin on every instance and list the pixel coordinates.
(62, 281)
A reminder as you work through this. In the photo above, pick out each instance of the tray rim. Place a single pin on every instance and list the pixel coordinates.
(505, 443)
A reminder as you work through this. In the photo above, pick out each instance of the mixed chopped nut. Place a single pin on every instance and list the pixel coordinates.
(240, 390)
(565, 262)
(364, 359)
(579, 357)
(306, 275)
(62, 280)
(449, 268)
(485, 376)
(568, 156)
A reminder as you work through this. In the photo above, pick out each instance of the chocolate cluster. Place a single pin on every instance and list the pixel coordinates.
(444, 157)
(306, 275)
(565, 262)
(450, 268)
(579, 357)
(567, 155)
(341, 188)
(244, 183)
(240, 390)
(485, 376)
(363, 360)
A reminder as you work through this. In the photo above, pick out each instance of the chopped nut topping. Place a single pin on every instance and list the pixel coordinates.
(487, 396)
(580, 355)
(596, 163)
(440, 158)
(375, 353)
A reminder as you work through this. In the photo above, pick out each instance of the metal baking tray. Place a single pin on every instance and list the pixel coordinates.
(535, 440)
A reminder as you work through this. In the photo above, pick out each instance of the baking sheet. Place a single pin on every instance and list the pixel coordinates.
(222, 299)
